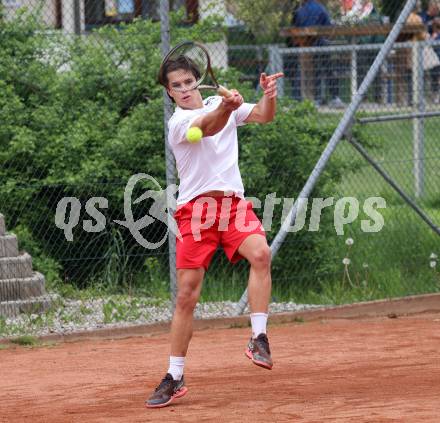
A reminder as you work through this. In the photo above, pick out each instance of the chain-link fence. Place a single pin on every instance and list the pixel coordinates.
(82, 137)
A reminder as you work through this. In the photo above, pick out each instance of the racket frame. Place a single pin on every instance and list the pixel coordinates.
(219, 88)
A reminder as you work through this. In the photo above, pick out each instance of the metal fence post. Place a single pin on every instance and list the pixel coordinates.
(386, 83)
(169, 158)
(418, 123)
(354, 73)
(276, 65)
(77, 17)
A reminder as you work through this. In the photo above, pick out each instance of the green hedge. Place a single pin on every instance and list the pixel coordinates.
(81, 115)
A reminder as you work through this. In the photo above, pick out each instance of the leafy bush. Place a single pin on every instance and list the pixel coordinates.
(81, 115)
(279, 158)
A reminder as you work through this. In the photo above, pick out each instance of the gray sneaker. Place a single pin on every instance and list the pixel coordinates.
(259, 352)
(167, 391)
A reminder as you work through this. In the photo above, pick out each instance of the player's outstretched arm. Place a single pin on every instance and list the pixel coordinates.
(265, 109)
(215, 121)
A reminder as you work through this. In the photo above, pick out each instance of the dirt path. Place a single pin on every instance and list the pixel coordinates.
(376, 370)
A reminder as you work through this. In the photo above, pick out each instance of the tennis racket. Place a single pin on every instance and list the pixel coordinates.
(198, 55)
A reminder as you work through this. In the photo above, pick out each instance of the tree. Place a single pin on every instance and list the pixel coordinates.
(392, 8)
(264, 18)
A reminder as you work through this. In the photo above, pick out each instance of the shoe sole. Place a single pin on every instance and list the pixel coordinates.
(179, 394)
(259, 363)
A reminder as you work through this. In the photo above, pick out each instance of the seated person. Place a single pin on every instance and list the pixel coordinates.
(430, 14)
(312, 13)
(402, 62)
(315, 68)
(435, 72)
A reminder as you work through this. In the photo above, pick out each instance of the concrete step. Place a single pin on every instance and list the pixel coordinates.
(16, 267)
(22, 289)
(8, 246)
(2, 225)
(33, 306)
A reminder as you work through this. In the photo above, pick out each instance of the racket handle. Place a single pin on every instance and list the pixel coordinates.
(224, 91)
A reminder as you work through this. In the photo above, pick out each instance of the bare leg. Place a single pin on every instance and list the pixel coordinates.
(189, 284)
(255, 249)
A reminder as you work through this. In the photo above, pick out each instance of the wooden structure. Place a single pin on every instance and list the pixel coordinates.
(307, 36)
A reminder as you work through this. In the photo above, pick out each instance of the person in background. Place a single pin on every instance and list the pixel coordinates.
(316, 68)
(430, 14)
(403, 62)
(346, 6)
(356, 10)
(435, 72)
(312, 13)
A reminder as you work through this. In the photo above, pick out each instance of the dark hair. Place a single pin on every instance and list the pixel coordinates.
(180, 62)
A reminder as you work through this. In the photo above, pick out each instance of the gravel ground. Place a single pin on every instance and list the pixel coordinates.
(68, 315)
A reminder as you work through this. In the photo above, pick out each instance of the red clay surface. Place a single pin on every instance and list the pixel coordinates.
(375, 370)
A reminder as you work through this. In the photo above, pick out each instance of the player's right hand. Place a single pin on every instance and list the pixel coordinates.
(234, 102)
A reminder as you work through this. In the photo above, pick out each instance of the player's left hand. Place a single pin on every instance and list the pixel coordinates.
(268, 84)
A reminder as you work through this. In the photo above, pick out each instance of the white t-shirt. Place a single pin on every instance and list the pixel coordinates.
(211, 164)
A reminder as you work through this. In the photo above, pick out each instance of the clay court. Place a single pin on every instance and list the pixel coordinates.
(336, 370)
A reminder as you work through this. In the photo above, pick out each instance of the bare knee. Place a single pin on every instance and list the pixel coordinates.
(189, 286)
(260, 257)
(186, 300)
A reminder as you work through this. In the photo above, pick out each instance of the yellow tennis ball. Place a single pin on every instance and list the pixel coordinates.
(194, 134)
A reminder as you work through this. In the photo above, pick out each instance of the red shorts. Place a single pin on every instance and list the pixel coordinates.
(206, 222)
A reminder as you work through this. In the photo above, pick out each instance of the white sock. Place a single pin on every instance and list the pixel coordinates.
(259, 323)
(176, 367)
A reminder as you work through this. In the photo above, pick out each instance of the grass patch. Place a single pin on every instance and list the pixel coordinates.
(4, 346)
(238, 325)
(29, 343)
(2, 325)
(26, 340)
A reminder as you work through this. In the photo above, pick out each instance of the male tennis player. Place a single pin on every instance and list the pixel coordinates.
(212, 211)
